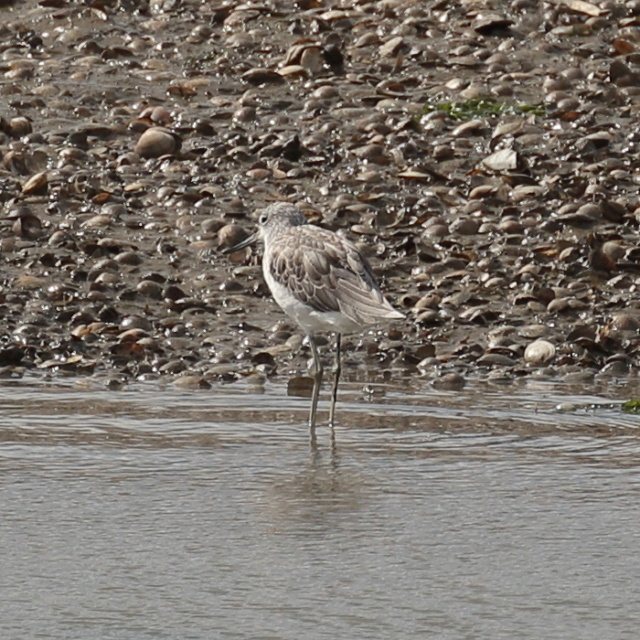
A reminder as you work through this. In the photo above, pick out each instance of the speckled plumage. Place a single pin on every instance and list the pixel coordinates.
(321, 280)
(323, 271)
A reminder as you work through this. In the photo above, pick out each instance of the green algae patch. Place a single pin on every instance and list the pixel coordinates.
(631, 406)
(483, 107)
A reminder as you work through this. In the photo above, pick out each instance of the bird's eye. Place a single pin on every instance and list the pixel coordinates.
(262, 219)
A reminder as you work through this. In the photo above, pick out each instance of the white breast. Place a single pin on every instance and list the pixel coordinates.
(310, 320)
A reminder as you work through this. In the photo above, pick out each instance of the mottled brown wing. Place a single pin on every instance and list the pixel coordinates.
(327, 273)
(300, 264)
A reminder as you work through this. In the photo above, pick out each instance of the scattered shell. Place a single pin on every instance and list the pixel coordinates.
(36, 185)
(191, 382)
(231, 235)
(150, 289)
(20, 126)
(485, 167)
(156, 142)
(625, 321)
(392, 47)
(503, 160)
(539, 352)
(312, 60)
(262, 76)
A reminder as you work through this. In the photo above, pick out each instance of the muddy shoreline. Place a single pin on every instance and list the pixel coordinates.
(485, 160)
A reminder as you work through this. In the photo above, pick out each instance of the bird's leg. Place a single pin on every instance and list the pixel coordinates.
(317, 381)
(336, 378)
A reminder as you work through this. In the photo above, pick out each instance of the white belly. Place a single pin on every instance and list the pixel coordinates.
(310, 320)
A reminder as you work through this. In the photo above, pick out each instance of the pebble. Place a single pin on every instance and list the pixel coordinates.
(156, 142)
(539, 352)
(472, 179)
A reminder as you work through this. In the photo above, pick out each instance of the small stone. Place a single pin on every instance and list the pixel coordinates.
(464, 226)
(450, 382)
(262, 76)
(156, 142)
(503, 160)
(191, 382)
(131, 258)
(625, 321)
(495, 360)
(539, 352)
(312, 60)
(392, 47)
(150, 289)
(36, 184)
(231, 234)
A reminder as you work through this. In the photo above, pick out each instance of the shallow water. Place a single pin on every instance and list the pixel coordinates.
(156, 513)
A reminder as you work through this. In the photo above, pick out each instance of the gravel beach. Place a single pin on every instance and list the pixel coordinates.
(483, 155)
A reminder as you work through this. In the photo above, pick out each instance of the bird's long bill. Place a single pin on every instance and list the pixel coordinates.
(241, 245)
